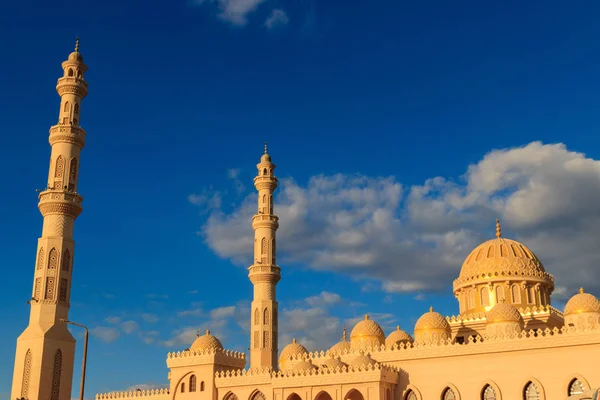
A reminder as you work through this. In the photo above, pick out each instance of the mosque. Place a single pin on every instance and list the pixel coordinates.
(507, 341)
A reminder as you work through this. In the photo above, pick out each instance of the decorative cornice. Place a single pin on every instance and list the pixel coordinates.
(72, 85)
(220, 357)
(529, 274)
(72, 134)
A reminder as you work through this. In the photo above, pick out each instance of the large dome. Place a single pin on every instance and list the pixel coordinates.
(206, 342)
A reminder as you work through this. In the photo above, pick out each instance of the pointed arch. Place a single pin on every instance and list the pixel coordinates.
(230, 396)
(533, 390)
(516, 294)
(26, 375)
(40, 260)
(256, 317)
(265, 172)
(354, 394)
(450, 392)
(66, 260)
(577, 385)
(294, 396)
(70, 72)
(271, 203)
(411, 395)
(192, 383)
(266, 316)
(490, 391)
(263, 246)
(59, 170)
(323, 395)
(67, 107)
(202, 386)
(257, 395)
(73, 170)
(471, 300)
(273, 250)
(62, 290)
(56, 374)
(499, 294)
(485, 296)
(76, 109)
(53, 259)
(79, 74)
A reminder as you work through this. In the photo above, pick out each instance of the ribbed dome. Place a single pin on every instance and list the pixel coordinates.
(398, 336)
(206, 342)
(367, 327)
(303, 366)
(582, 302)
(332, 363)
(361, 360)
(503, 312)
(340, 346)
(432, 320)
(293, 349)
(501, 257)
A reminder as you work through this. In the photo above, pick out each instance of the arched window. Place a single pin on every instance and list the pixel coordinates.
(410, 395)
(79, 74)
(265, 172)
(256, 317)
(62, 290)
(40, 260)
(53, 259)
(273, 250)
(485, 296)
(76, 109)
(258, 395)
(26, 375)
(499, 294)
(256, 339)
(516, 294)
(70, 72)
(448, 394)
(576, 387)
(388, 394)
(531, 392)
(72, 173)
(182, 387)
(263, 246)
(60, 167)
(230, 396)
(530, 295)
(202, 386)
(193, 383)
(488, 393)
(471, 298)
(266, 316)
(271, 204)
(66, 261)
(56, 374)
(67, 107)
(50, 288)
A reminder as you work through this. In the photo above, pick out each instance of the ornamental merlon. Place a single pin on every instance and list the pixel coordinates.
(152, 394)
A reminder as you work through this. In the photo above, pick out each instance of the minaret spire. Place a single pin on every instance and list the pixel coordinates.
(264, 272)
(498, 229)
(45, 350)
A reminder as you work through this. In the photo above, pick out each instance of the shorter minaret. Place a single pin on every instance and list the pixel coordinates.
(264, 272)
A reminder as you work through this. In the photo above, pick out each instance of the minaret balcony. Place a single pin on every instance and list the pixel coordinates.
(72, 85)
(73, 134)
(60, 202)
(264, 273)
(265, 182)
(265, 221)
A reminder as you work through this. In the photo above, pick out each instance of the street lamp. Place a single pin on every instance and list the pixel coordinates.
(85, 343)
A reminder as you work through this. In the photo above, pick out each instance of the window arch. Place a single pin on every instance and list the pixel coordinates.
(202, 386)
(323, 395)
(531, 392)
(230, 396)
(256, 317)
(70, 72)
(56, 373)
(66, 261)
(266, 316)
(576, 386)
(67, 107)
(531, 295)
(60, 167)
(471, 303)
(192, 383)
(273, 250)
(516, 294)
(488, 393)
(448, 394)
(182, 387)
(40, 260)
(257, 395)
(53, 259)
(26, 375)
(499, 294)
(485, 296)
(263, 246)
(79, 74)
(76, 108)
(410, 395)
(265, 172)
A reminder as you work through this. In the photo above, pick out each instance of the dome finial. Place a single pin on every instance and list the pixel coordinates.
(431, 309)
(294, 340)
(366, 317)
(77, 45)
(581, 290)
(397, 327)
(266, 148)
(498, 229)
(207, 332)
(197, 333)
(344, 335)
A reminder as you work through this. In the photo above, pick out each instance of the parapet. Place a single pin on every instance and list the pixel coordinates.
(152, 394)
(227, 358)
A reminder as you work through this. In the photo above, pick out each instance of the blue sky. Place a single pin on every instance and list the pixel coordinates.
(401, 130)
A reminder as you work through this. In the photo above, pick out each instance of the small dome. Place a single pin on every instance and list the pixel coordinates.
(206, 342)
(432, 320)
(332, 363)
(265, 158)
(361, 360)
(76, 56)
(340, 346)
(303, 366)
(503, 312)
(293, 349)
(398, 336)
(367, 330)
(582, 302)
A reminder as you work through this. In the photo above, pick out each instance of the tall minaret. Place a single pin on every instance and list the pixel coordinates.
(45, 350)
(264, 273)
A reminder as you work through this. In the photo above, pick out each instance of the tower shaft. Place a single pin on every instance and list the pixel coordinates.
(264, 272)
(45, 350)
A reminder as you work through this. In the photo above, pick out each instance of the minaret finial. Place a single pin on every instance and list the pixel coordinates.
(207, 332)
(430, 309)
(266, 148)
(77, 45)
(581, 290)
(498, 229)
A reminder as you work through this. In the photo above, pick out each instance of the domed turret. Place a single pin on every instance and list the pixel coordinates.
(293, 350)
(366, 334)
(503, 319)
(332, 363)
(361, 361)
(398, 337)
(432, 327)
(206, 342)
(341, 346)
(303, 366)
(582, 310)
(499, 269)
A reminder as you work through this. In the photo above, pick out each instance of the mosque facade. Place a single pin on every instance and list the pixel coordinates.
(507, 341)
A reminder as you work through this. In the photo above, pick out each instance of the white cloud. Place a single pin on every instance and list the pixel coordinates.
(209, 200)
(234, 175)
(113, 320)
(129, 326)
(222, 312)
(150, 318)
(323, 299)
(105, 334)
(233, 11)
(545, 195)
(277, 18)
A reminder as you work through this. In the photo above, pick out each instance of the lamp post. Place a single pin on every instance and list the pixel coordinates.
(83, 364)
